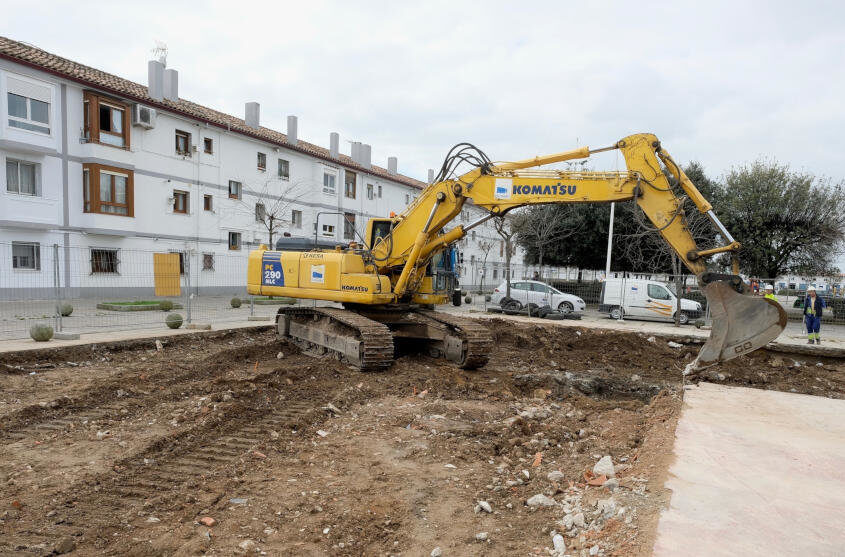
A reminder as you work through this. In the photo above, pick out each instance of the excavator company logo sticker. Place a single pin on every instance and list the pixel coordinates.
(354, 288)
(318, 274)
(553, 189)
(503, 188)
(272, 274)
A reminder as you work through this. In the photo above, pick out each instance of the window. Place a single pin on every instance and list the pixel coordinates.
(379, 191)
(107, 190)
(329, 183)
(260, 212)
(284, 169)
(473, 235)
(296, 218)
(104, 260)
(495, 273)
(262, 161)
(658, 292)
(207, 202)
(540, 288)
(23, 177)
(348, 226)
(328, 230)
(181, 261)
(349, 189)
(464, 216)
(407, 199)
(370, 193)
(234, 240)
(29, 106)
(208, 145)
(234, 190)
(26, 256)
(183, 143)
(208, 262)
(106, 121)
(180, 201)
(472, 260)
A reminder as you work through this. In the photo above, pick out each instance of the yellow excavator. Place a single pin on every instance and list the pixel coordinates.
(389, 283)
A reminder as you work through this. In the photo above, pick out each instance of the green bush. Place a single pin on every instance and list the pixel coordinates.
(236, 302)
(699, 323)
(41, 333)
(173, 320)
(468, 299)
(165, 305)
(65, 310)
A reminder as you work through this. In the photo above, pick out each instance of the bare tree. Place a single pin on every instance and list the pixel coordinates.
(540, 226)
(505, 229)
(273, 204)
(485, 246)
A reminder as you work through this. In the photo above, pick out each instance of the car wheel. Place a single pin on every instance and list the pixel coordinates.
(617, 313)
(683, 319)
(565, 307)
(533, 309)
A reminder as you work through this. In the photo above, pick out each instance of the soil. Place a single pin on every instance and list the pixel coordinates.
(125, 449)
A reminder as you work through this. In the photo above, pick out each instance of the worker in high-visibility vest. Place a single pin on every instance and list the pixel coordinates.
(770, 292)
(813, 307)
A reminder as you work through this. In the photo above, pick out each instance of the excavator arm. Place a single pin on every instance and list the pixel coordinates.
(740, 323)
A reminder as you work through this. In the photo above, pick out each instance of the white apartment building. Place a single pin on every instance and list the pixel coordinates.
(103, 166)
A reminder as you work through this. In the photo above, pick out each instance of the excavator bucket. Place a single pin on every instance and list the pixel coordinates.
(741, 324)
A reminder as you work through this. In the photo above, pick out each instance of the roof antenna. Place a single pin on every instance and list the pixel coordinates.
(160, 52)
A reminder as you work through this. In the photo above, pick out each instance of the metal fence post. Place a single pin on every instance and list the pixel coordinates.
(251, 306)
(57, 288)
(188, 294)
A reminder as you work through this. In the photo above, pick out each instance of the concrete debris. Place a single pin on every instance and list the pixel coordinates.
(651, 339)
(612, 484)
(102, 435)
(540, 500)
(555, 476)
(322, 433)
(238, 500)
(153, 519)
(635, 377)
(607, 507)
(567, 522)
(449, 466)
(579, 521)
(673, 344)
(594, 550)
(485, 506)
(247, 545)
(159, 346)
(436, 552)
(559, 544)
(332, 408)
(604, 467)
(207, 521)
(482, 536)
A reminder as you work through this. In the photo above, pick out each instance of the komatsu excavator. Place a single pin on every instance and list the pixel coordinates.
(389, 283)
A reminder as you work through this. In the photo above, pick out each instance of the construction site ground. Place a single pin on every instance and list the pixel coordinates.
(230, 442)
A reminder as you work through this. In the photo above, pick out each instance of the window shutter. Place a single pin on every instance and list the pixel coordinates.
(26, 89)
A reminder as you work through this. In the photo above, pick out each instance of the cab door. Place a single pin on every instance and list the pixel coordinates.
(659, 302)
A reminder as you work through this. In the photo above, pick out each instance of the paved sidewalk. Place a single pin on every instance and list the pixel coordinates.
(119, 336)
(756, 473)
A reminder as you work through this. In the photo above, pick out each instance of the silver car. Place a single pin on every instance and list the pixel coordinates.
(526, 292)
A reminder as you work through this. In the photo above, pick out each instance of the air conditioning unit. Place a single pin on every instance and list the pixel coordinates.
(143, 116)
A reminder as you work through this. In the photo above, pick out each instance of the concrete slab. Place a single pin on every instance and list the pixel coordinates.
(756, 473)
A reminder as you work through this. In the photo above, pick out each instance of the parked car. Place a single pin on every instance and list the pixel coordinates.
(645, 299)
(525, 292)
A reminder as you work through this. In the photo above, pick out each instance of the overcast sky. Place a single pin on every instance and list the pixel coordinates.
(719, 82)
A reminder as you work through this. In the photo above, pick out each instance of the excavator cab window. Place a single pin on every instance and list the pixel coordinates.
(381, 228)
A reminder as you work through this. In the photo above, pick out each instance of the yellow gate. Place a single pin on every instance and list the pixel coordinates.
(166, 269)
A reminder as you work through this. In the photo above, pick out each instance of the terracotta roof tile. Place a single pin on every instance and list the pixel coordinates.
(35, 57)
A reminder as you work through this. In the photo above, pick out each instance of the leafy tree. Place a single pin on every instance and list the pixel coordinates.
(787, 221)
(539, 227)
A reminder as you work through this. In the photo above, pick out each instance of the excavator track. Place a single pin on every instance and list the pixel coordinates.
(368, 344)
(478, 340)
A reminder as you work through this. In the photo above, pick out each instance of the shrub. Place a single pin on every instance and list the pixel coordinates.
(468, 299)
(41, 333)
(236, 302)
(65, 310)
(173, 320)
(487, 298)
(165, 305)
(699, 323)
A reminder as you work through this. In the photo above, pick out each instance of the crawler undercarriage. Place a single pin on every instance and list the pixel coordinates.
(367, 337)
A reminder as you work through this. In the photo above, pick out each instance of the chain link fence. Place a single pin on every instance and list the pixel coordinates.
(84, 289)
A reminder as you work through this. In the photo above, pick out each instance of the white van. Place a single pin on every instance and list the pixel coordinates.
(644, 299)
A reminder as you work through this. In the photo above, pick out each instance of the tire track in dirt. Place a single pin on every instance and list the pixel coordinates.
(96, 507)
